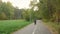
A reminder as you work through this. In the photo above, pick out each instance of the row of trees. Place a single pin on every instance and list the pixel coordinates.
(7, 11)
(48, 9)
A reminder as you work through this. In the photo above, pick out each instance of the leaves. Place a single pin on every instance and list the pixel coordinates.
(6, 8)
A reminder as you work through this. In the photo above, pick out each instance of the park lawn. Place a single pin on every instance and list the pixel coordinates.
(8, 26)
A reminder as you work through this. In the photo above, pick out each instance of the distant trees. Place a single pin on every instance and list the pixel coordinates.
(43, 9)
(18, 13)
(47, 9)
(6, 10)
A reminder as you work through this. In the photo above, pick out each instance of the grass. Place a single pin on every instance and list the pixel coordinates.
(8, 26)
(55, 27)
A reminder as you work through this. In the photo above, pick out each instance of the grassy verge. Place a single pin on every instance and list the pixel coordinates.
(54, 27)
(8, 26)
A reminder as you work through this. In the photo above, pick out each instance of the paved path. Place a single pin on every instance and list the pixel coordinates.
(39, 28)
(26, 30)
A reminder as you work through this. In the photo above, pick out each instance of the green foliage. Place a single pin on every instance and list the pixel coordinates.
(26, 14)
(8, 26)
(49, 9)
(7, 9)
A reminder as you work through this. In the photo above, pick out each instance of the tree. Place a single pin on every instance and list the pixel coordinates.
(7, 9)
(49, 9)
(18, 13)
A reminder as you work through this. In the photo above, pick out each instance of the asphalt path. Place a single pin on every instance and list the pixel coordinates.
(26, 30)
(39, 28)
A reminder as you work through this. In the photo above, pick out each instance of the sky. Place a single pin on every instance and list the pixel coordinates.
(19, 3)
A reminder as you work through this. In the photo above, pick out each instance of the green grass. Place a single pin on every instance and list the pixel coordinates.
(8, 26)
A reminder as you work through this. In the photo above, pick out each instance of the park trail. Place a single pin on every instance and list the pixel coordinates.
(39, 28)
